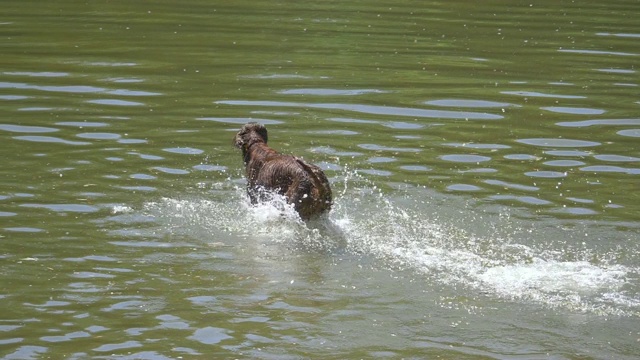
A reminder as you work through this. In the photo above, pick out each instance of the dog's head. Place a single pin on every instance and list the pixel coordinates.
(250, 134)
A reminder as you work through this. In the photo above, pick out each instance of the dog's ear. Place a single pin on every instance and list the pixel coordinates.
(262, 131)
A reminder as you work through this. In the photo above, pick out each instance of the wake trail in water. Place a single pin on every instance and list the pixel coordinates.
(366, 222)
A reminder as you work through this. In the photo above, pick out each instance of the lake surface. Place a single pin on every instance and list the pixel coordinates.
(484, 159)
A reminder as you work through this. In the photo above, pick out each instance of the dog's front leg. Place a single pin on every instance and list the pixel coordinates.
(253, 194)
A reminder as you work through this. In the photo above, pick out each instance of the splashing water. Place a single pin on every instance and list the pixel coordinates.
(366, 222)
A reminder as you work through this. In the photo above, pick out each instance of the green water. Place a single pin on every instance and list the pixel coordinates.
(484, 159)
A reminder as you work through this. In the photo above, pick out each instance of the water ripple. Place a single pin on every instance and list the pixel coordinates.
(241, 120)
(522, 157)
(51, 88)
(375, 147)
(565, 163)
(24, 229)
(127, 80)
(132, 141)
(67, 337)
(146, 156)
(27, 129)
(523, 199)
(329, 92)
(184, 150)
(546, 174)
(574, 110)
(77, 208)
(210, 335)
(596, 52)
(124, 345)
(463, 187)
(508, 185)
(611, 169)
(109, 63)
(99, 136)
(371, 109)
(203, 300)
(37, 74)
(353, 121)
(478, 146)
(547, 142)
(13, 97)
(380, 159)
(173, 171)
(568, 153)
(142, 177)
(463, 158)
(402, 125)
(125, 92)
(28, 352)
(50, 139)
(35, 108)
(541, 95)
(630, 133)
(81, 124)
(91, 275)
(204, 167)
(331, 151)
(115, 102)
(605, 122)
(616, 158)
(416, 168)
(575, 211)
(280, 76)
(375, 172)
(334, 132)
(469, 103)
(617, 71)
(623, 35)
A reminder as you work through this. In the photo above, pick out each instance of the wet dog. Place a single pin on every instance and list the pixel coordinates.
(304, 185)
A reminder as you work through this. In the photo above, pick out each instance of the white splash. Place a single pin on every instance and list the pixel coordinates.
(121, 209)
(366, 222)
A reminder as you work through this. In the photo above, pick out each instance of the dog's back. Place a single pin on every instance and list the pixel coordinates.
(319, 199)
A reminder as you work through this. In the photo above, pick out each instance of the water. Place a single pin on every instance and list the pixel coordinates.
(484, 160)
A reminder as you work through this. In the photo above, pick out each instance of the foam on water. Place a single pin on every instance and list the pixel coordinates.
(366, 222)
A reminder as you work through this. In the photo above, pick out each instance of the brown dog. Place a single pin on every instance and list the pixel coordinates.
(304, 185)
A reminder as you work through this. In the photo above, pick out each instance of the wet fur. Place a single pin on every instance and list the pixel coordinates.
(304, 185)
